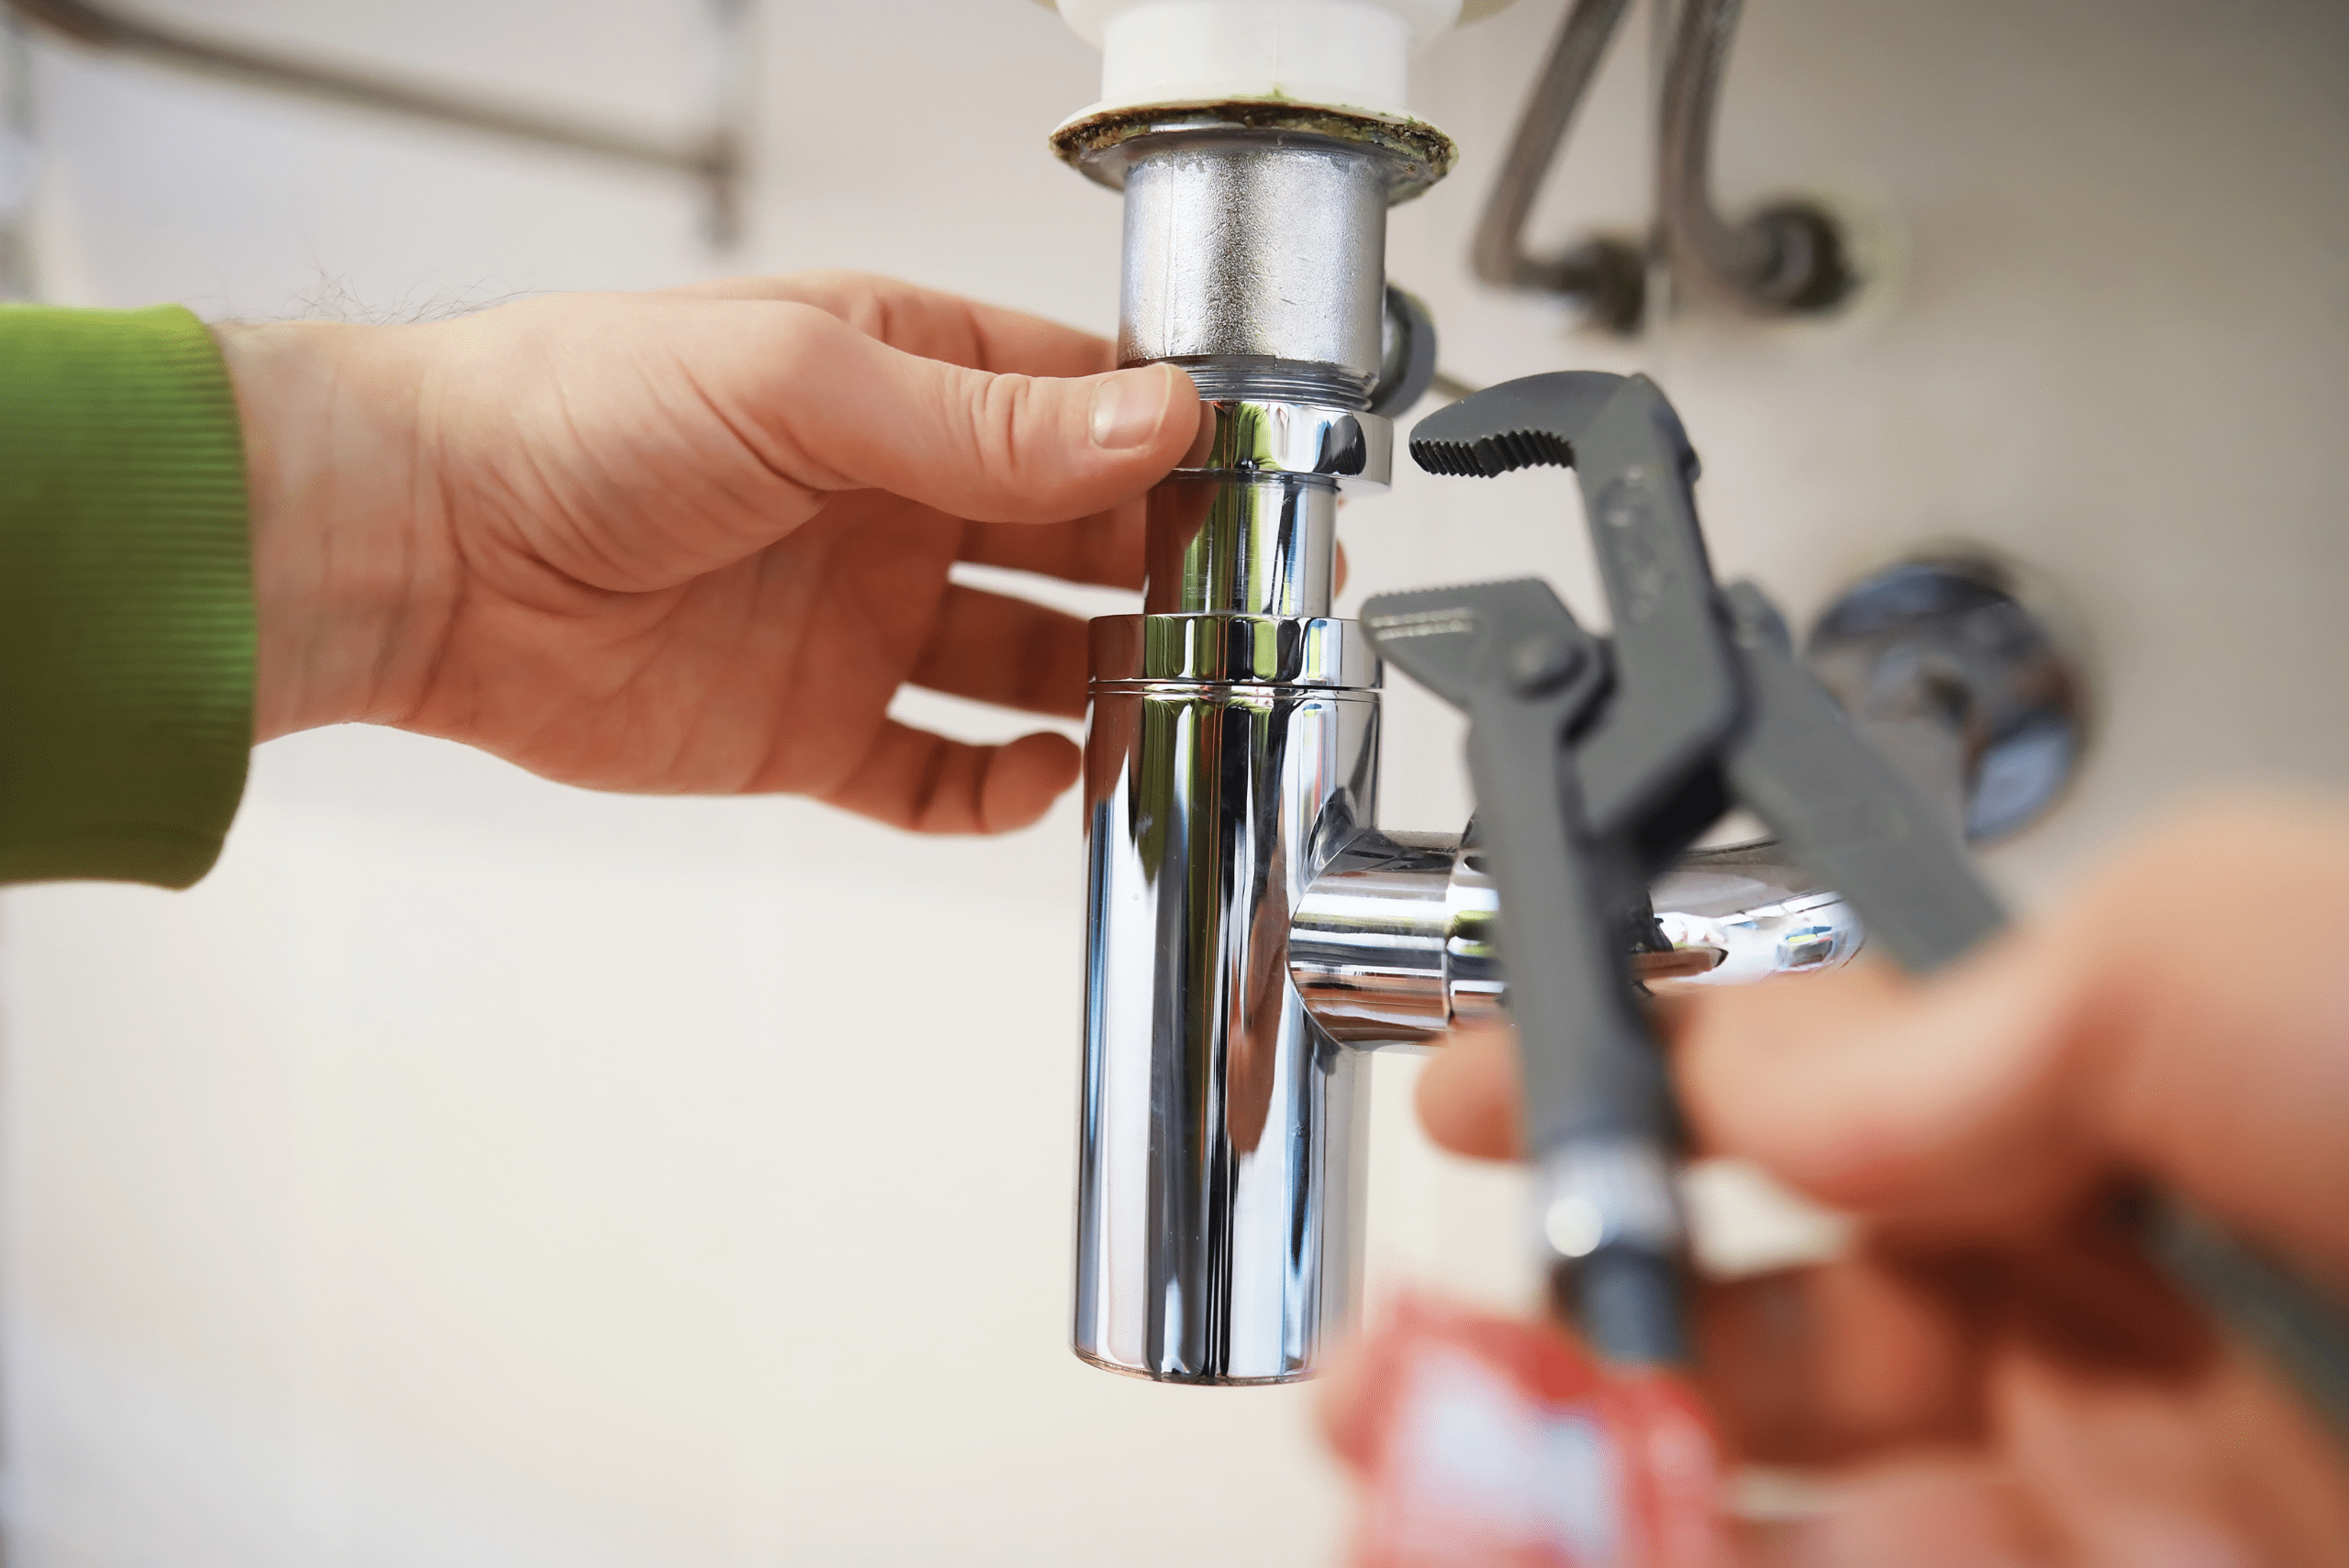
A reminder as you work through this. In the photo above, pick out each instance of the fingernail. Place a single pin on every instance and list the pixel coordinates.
(1128, 408)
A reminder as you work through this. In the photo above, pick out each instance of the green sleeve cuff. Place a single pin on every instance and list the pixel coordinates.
(126, 596)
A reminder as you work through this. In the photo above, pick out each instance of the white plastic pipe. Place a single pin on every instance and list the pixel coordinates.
(1348, 54)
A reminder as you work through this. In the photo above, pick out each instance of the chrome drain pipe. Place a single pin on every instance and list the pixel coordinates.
(1232, 749)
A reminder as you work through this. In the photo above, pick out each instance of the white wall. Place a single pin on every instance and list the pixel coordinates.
(477, 1172)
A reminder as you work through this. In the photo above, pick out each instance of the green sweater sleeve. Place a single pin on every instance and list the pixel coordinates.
(126, 596)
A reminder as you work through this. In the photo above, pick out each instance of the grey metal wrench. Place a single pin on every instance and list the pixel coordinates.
(1596, 761)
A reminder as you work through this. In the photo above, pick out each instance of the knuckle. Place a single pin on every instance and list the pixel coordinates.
(797, 331)
(1003, 410)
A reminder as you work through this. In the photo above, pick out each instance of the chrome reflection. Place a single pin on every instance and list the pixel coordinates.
(1395, 942)
(1763, 914)
(1282, 651)
(1241, 544)
(1218, 1221)
(1266, 435)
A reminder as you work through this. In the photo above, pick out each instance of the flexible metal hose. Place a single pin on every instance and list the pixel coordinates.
(1607, 275)
(1788, 258)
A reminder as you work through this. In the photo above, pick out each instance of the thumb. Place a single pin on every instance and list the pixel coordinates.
(838, 410)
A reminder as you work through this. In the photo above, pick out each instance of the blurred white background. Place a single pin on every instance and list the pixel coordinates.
(474, 1170)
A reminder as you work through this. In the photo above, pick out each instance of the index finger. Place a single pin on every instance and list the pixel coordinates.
(935, 324)
(2168, 1021)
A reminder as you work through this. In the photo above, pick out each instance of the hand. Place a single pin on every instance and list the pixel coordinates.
(1994, 1376)
(694, 542)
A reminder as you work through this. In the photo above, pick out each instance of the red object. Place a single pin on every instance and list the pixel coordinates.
(1491, 1442)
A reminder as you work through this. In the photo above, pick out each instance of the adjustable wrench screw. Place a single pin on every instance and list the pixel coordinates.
(1543, 665)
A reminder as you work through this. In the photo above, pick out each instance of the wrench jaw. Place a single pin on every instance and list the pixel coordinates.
(1494, 455)
(1533, 422)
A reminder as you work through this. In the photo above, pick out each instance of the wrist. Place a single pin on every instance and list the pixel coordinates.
(353, 576)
